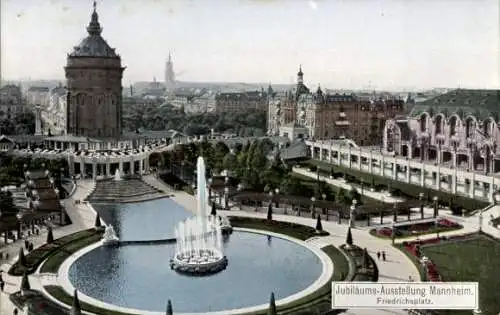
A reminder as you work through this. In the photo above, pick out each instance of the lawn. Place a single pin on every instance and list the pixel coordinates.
(294, 230)
(475, 259)
(52, 264)
(37, 256)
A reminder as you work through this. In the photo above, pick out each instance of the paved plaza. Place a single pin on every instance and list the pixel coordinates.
(397, 267)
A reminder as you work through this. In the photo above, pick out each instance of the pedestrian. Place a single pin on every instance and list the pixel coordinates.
(15, 311)
(26, 244)
(31, 246)
(378, 255)
(2, 285)
(383, 255)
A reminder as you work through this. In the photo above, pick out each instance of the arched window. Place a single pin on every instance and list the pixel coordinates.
(453, 125)
(469, 127)
(439, 124)
(488, 127)
(423, 123)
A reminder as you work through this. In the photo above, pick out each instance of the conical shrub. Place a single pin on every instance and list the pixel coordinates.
(366, 259)
(170, 310)
(25, 283)
(22, 258)
(214, 209)
(270, 212)
(319, 225)
(98, 223)
(50, 236)
(348, 239)
(76, 309)
(272, 305)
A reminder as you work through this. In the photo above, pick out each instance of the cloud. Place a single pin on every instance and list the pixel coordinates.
(313, 5)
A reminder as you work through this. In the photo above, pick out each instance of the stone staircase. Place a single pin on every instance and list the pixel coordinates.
(123, 190)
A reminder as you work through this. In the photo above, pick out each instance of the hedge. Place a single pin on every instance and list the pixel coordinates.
(408, 190)
(37, 256)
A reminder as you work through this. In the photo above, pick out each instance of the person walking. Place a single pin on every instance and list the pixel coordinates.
(2, 285)
(15, 312)
(378, 255)
(383, 255)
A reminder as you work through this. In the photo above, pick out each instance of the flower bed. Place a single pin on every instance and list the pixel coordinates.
(442, 225)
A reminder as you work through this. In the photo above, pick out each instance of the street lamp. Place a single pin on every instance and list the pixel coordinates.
(421, 198)
(352, 213)
(436, 208)
(313, 200)
(481, 221)
(226, 196)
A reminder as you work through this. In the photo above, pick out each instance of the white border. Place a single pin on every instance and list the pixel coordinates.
(65, 283)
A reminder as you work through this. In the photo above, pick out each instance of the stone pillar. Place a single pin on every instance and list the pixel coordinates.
(120, 167)
(438, 178)
(312, 151)
(141, 165)
(359, 159)
(339, 159)
(472, 188)
(38, 120)
(422, 175)
(349, 156)
(454, 182)
(395, 170)
(370, 164)
(408, 173)
(108, 169)
(82, 168)
(382, 165)
(132, 171)
(94, 170)
(321, 152)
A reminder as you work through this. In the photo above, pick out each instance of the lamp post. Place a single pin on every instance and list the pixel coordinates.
(395, 212)
(271, 197)
(313, 200)
(324, 210)
(421, 198)
(19, 217)
(481, 221)
(277, 192)
(226, 197)
(209, 182)
(352, 213)
(436, 206)
(393, 232)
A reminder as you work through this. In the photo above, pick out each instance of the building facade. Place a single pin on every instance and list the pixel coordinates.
(11, 102)
(332, 116)
(54, 115)
(38, 95)
(241, 101)
(94, 82)
(459, 129)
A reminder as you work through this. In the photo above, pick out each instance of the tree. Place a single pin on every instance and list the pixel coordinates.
(319, 226)
(25, 283)
(76, 309)
(98, 223)
(366, 259)
(230, 162)
(270, 212)
(272, 305)
(22, 258)
(50, 236)
(170, 310)
(348, 239)
(214, 209)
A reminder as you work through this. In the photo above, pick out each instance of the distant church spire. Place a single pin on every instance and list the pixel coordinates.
(300, 75)
(94, 27)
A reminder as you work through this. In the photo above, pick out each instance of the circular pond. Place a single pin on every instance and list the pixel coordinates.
(139, 276)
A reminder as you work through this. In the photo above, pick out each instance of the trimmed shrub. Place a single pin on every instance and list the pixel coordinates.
(348, 239)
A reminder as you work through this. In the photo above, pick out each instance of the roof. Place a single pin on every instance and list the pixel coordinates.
(94, 45)
(479, 103)
(5, 139)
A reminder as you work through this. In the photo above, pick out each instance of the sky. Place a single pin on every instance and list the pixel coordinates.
(351, 44)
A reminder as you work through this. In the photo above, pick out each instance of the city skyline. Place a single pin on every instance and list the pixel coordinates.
(367, 44)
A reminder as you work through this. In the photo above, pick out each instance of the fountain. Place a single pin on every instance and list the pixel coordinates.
(109, 237)
(118, 175)
(198, 249)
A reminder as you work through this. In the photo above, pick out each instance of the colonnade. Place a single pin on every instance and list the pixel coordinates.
(476, 185)
(105, 167)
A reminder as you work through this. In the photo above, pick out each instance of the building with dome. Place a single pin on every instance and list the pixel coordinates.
(94, 82)
(301, 113)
